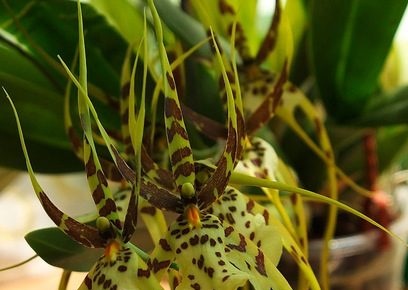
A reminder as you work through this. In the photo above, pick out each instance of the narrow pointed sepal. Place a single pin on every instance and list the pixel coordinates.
(180, 152)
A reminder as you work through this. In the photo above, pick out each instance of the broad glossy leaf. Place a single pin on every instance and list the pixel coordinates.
(392, 143)
(52, 26)
(349, 49)
(47, 159)
(57, 249)
(37, 86)
(123, 16)
(36, 99)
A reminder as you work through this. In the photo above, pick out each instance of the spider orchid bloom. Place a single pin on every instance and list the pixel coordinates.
(267, 93)
(120, 264)
(210, 253)
(118, 267)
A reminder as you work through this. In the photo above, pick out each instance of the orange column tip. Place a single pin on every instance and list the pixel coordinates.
(192, 214)
(112, 249)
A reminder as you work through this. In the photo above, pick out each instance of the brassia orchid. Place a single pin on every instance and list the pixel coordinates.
(222, 238)
(268, 93)
(112, 232)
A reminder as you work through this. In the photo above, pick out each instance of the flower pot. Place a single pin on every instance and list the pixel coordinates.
(362, 261)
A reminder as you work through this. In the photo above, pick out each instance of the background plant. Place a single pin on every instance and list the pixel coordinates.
(197, 86)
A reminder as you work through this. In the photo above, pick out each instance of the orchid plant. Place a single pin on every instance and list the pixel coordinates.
(223, 236)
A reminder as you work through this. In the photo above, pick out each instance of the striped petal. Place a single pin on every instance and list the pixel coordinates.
(151, 215)
(97, 181)
(125, 79)
(269, 42)
(160, 197)
(216, 184)
(155, 173)
(181, 154)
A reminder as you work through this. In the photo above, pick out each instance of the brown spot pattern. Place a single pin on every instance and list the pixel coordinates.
(260, 263)
(176, 129)
(98, 194)
(172, 109)
(225, 8)
(170, 81)
(83, 234)
(150, 210)
(269, 41)
(90, 166)
(75, 140)
(180, 154)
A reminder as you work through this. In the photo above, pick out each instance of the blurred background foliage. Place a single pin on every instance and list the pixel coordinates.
(338, 51)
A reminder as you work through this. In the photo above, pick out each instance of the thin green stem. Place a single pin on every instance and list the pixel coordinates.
(64, 280)
(18, 264)
(243, 179)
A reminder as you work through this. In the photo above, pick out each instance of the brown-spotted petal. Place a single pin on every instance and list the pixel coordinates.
(120, 268)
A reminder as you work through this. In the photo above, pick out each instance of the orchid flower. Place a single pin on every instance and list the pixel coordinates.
(117, 268)
(210, 249)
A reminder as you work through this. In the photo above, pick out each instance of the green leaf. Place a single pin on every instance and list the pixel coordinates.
(52, 26)
(57, 249)
(37, 85)
(203, 91)
(63, 160)
(386, 109)
(123, 17)
(350, 41)
(392, 145)
(35, 96)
